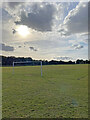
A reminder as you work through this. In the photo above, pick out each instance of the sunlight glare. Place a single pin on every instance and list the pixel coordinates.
(23, 30)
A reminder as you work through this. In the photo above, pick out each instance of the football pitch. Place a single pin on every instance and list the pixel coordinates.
(61, 92)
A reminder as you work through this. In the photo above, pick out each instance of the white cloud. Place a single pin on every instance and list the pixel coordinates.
(63, 58)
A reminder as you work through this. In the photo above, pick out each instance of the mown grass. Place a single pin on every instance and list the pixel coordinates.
(62, 92)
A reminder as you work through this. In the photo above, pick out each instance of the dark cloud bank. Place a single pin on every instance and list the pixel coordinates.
(6, 47)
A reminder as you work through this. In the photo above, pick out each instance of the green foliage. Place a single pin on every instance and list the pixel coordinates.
(62, 92)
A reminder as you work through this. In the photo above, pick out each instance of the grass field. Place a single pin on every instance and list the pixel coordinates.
(62, 91)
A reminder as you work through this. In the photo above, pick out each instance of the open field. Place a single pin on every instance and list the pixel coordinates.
(62, 91)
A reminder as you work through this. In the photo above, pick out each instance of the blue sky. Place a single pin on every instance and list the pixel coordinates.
(45, 30)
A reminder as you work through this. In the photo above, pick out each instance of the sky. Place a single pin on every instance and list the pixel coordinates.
(44, 30)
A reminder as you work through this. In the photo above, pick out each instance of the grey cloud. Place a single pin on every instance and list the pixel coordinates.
(4, 47)
(14, 31)
(63, 58)
(19, 46)
(14, 4)
(39, 18)
(76, 21)
(76, 46)
(32, 48)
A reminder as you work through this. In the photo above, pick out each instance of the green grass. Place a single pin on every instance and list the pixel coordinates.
(62, 91)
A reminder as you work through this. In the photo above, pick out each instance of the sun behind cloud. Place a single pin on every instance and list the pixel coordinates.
(23, 30)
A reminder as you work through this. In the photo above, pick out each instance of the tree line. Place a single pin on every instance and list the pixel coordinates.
(8, 61)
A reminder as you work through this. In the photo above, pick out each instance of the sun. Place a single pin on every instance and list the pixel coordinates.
(23, 30)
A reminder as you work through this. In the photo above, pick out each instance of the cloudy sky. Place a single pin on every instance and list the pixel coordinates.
(44, 30)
